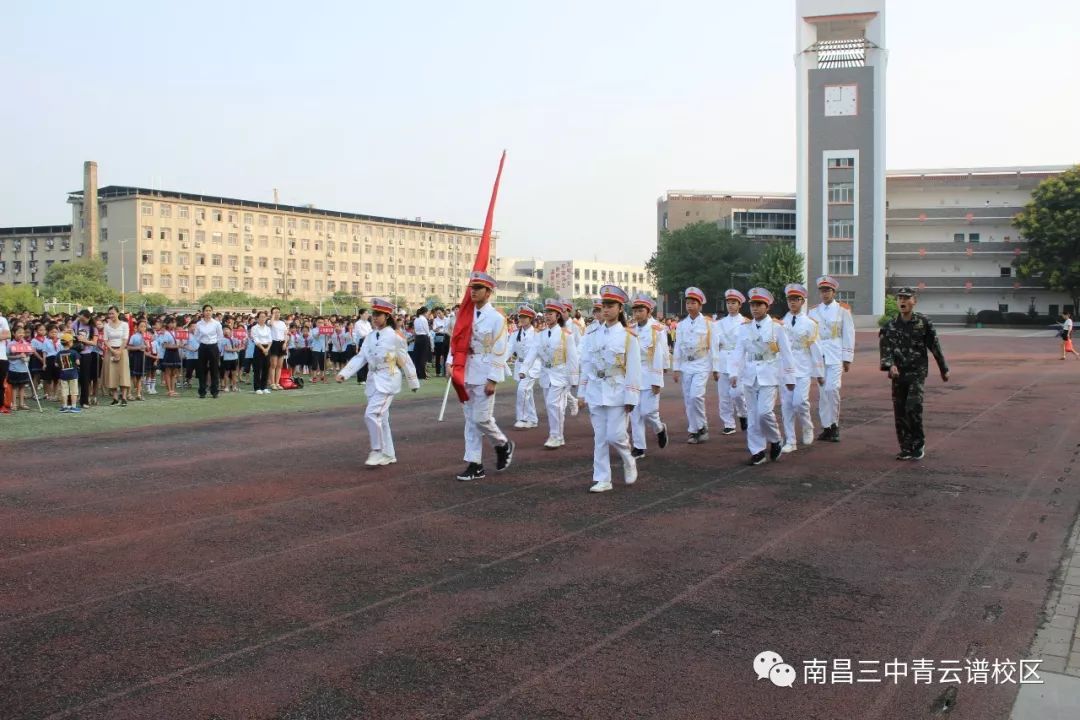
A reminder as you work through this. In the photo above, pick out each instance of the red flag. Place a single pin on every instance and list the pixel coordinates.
(462, 337)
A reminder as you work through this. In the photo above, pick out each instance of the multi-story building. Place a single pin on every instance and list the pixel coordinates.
(186, 245)
(568, 278)
(760, 216)
(948, 232)
(27, 253)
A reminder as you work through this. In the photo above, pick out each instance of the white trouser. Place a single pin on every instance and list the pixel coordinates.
(377, 419)
(609, 430)
(480, 423)
(526, 402)
(555, 399)
(693, 392)
(761, 426)
(646, 412)
(829, 396)
(795, 405)
(732, 402)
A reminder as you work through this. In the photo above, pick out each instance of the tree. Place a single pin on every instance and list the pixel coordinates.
(892, 309)
(583, 304)
(146, 300)
(700, 255)
(17, 299)
(780, 265)
(1050, 223)
(433, 301)
(80, 282)
(546, 291)
(227, 299)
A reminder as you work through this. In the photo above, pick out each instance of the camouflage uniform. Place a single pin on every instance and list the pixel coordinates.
(904, 345)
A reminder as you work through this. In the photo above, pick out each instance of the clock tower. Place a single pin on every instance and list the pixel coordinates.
(840, 60)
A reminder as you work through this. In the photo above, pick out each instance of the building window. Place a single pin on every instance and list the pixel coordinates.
(356, 248)
(219, 215)
(183, 211)
(1004, 308)
(233, 284)
(249, 219)
(264, 241)
(165, 210)
(841, 229)
(841, 193)
(200, 236)
(278, 221)
(215, 238)
(165, 282)
(973, 237)
(200, 258)
(148, 232)
(249, 284)
(182, 235)
(200, 213)
(305, 244)
(958, 237)
(318, 265)
(841, 265)
(847, 297)
(215, 282)
(148, 257)
(166, 234)
(165, 257)
(847, 163)
(147, 208)
(1006, 272)
(305, 265)
(305, 224)
(291, 223)
(234, 239)
(200, 282)
(305, 284)
(264, 220)
(184, 258)
(215, 260)
(264, 284)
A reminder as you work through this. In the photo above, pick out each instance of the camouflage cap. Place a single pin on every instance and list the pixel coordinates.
(906, 292)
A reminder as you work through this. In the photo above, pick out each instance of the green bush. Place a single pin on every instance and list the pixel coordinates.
(892, 309)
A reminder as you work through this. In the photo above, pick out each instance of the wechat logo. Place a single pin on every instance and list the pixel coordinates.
(770, 665)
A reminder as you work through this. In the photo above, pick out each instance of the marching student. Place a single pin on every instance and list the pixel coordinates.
(610, 384)
(695, 356)
(556, 352)
(577, 332)
(485, 367)
(383, 353)
(518, 349)
(655, 359)
(732, 403)
(836, 330)
(761, 362)
(802, 335)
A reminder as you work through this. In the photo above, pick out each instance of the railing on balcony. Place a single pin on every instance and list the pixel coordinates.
(960, 282)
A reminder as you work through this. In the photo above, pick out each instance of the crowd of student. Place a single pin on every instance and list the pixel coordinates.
(75, 360)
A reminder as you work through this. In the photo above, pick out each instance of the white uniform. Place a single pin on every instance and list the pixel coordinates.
(762, 361)
(577, 332)
(655, 358)
(694, 358)
(555, 351)
(611, 380)
(802, 333)
(486, 361)
(732, 403)
(518, 348)
(836, 332)
(384, 353)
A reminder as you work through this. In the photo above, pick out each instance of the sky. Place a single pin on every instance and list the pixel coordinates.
(402, 109)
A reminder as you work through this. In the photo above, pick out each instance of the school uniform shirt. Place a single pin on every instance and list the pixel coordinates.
(260, 335)
(611, 367)
(762, 355)
(17, 363)
(137, 342)
(317, 341)
(191, 349)
(209, 332)
(725, 336)
(520, 342)
(229, 348)
(802, 335)
(52, 347)
(695, 351)
(439, 325)
(40, 344)
(488, 347)
(652, 342)
(278, 330)
(384, 355)
(836, 332)
(556, 353)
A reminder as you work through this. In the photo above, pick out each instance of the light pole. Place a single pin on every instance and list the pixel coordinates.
(123, 285)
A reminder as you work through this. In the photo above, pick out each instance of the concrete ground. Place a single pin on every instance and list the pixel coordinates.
(250, 568)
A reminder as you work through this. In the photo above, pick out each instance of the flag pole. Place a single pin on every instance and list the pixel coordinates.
(445, 397)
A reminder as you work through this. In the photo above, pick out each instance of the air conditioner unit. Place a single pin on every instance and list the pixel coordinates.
(247, 228)
(247, 270)
(185, 245)
(329, 273)
(235, 226)
(247, 248)
(329, 253)
(292, 251)
(198, 221)
(185, 266)
(291, 231)
(198, 244)
(329, 235)
(367, 276)
(277, 231)
(234, 268)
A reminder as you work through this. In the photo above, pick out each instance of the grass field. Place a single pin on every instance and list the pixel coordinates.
(158, 410)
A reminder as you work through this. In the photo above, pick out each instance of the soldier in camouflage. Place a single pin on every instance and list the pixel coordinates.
(904, 342)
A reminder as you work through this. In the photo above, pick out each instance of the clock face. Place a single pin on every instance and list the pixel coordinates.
(841, 100)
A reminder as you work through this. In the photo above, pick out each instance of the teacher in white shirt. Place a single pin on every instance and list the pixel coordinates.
(208, 332)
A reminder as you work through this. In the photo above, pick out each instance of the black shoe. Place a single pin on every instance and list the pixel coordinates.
(727, 431)
(123, 403)
(742, 423)
(637, 453)
(115, 402)
(661, 438)
(918, 453)
(504, 455)
(214, 395)
(472, 471)
(774, 451)
(904, 455)
(202, 397)
(826, 434)
(757, 458)
(834, 434)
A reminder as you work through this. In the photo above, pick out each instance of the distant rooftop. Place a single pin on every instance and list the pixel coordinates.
(36, 230)
(728, 195)
(963, 172)
(121, 191)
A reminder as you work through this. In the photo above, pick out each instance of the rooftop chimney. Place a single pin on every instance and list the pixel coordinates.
(90, 209)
